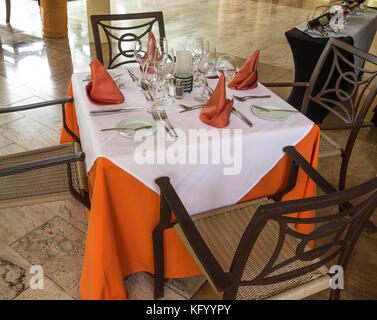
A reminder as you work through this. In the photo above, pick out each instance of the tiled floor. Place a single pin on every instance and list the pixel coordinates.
(34, 69)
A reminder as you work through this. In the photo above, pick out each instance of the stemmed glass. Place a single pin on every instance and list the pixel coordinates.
(166, 69)
(226, 65)
(206, 63)
(140, 53)
(196, 46)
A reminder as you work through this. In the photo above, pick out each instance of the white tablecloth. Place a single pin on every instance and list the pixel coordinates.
(201, 186)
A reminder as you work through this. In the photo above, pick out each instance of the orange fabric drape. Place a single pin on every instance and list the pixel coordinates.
(124, 212)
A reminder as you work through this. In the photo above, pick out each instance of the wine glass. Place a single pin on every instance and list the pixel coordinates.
(195, 45)
(226, 65)
(154, 78)
(166, 70)
(140, 53)
(206, 63)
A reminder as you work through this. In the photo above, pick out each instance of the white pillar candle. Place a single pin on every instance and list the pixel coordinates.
(183, 65)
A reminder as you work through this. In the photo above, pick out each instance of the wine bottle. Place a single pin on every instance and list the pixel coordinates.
(320, 21)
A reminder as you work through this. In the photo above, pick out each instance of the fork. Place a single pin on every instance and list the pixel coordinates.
(164, 117)
(250, 97)
(189, 108)
(157, 118)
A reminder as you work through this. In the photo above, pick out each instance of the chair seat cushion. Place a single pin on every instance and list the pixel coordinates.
(40, 185)
(222, 230)
(328, 148)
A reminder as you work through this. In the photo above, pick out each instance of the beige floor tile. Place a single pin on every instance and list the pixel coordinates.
(59, 248)
(17, 222)
(10, 149)
(14, 273)
(186, 287)
(29, 134)
(140, 287)
(50, 291)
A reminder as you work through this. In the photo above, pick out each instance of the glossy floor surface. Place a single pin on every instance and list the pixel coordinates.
(33, 68)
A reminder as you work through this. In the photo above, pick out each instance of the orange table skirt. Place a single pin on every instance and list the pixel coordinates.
(124, 212)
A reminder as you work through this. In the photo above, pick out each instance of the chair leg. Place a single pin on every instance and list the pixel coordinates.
(159, 264)
(334, 294)
(158, 248)
(7, 5)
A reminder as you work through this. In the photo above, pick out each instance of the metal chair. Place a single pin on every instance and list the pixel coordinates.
(251, 251)
(126, 38)
(343, 92)
(46, 174)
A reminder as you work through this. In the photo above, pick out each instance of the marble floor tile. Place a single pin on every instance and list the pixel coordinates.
(28, 134)
(186, 287)
(59, 248)
(10, 149)
(17, 222)
(73, 212)
(14, 273)
(50, 291)
(140, 287)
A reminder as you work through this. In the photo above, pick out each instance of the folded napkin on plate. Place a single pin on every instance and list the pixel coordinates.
(217, 111)
(102, 89)
(247, 77)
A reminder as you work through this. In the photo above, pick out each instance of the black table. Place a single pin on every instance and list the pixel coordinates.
(306, 51)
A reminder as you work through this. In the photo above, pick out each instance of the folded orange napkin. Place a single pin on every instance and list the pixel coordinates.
(102, 89)
(247, 77)
(217, 111)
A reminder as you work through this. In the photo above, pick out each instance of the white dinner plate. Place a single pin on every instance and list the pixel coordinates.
(134, 123)
(270, 115)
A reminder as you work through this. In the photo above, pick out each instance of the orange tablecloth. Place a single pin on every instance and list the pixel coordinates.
(124, 212)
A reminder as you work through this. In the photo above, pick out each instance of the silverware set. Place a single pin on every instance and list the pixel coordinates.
(126, 128)
(271, 110)
(144, 86)
(250, 97)
(160, 115)
(112, 111)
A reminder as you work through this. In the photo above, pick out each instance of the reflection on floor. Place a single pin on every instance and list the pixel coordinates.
(34, 69)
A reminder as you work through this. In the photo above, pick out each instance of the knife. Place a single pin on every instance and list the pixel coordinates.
(242, 117)
(110, 111)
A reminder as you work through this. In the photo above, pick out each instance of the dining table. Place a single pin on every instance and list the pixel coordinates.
(125, 199)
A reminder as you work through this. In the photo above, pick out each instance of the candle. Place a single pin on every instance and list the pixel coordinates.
(183, 65)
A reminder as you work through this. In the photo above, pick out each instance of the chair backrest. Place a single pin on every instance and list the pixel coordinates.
(348, 90)
(116, 39)
(335, 236)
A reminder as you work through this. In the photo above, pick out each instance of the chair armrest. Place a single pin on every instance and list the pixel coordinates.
(318, 179)
(42, 164)
(36, 105)
(286, 84)
(309, 170)
(204, 254)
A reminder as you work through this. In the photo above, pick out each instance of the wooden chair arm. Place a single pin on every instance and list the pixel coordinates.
(42, 164)
(36, 105)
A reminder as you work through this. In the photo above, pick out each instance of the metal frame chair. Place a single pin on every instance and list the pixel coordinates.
(351, 109)
(46, 174)
(128, 36)
(250, 250)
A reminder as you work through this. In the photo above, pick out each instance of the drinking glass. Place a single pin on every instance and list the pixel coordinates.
(195, 45)
(140, 53)
(206, 63)
(166, 70)
(154, 77)
(226, 65)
